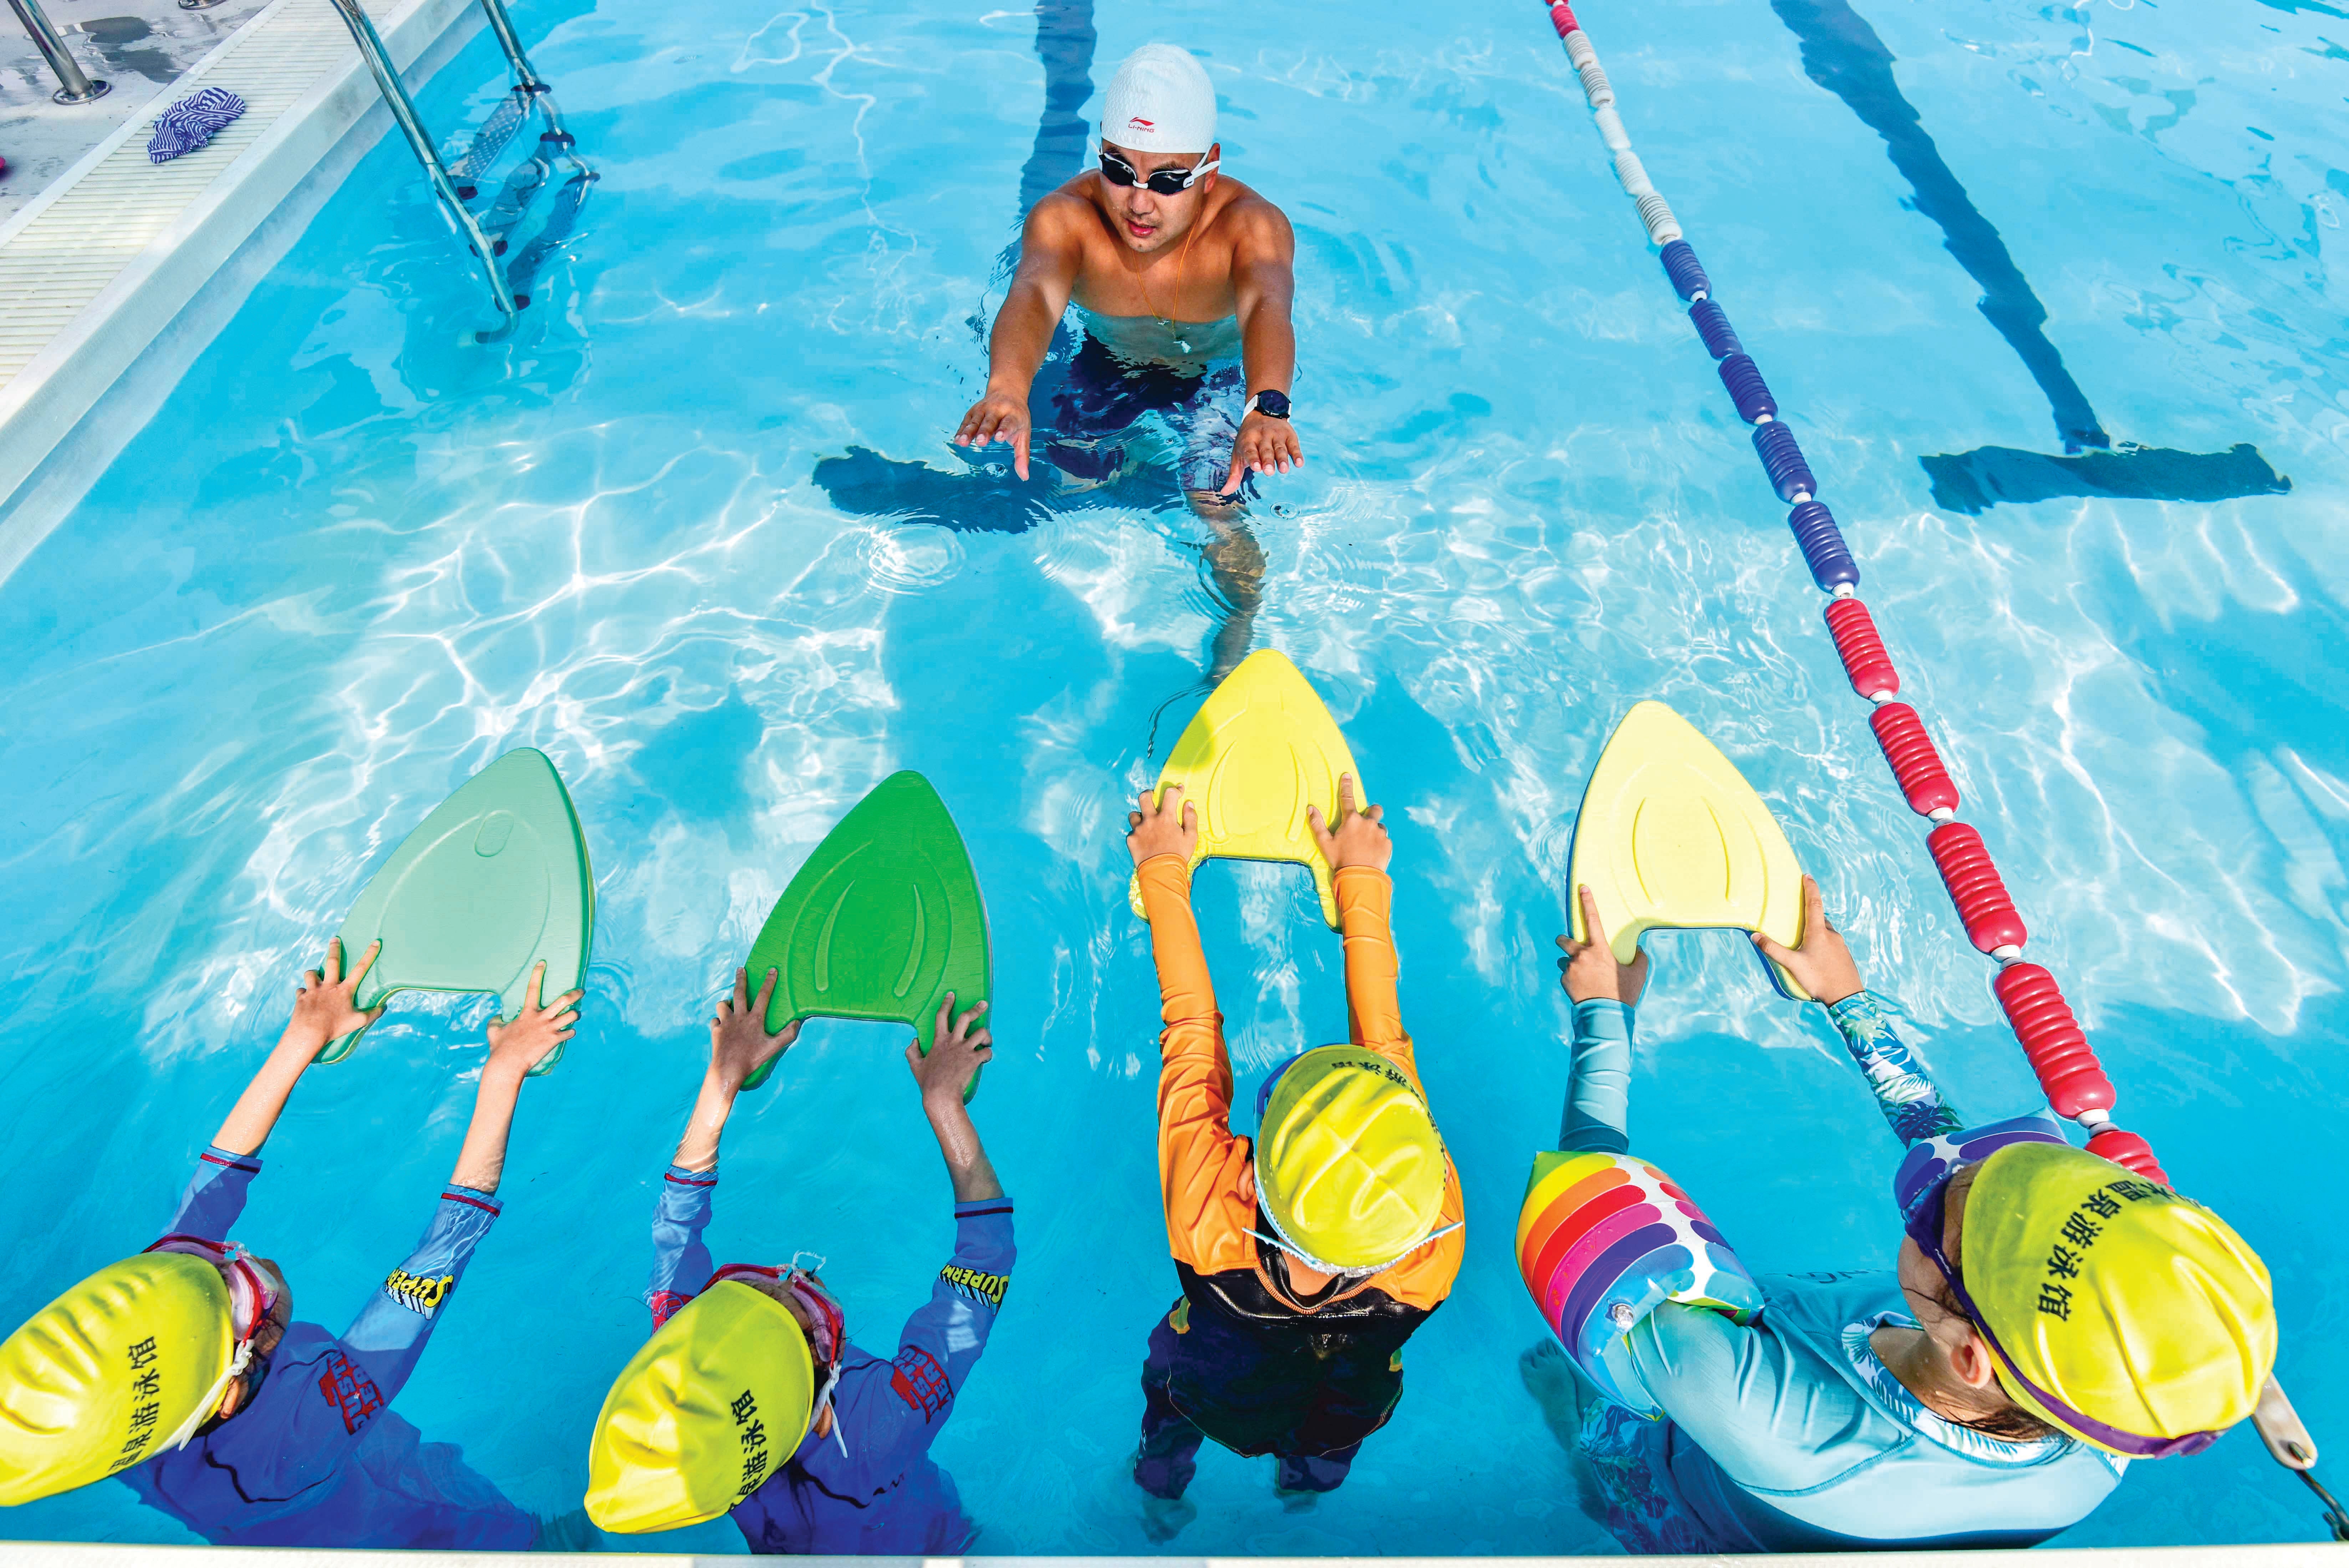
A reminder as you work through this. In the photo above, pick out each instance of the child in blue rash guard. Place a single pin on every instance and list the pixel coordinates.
(840, 1462)
(293, 1442)
(1832, 1419)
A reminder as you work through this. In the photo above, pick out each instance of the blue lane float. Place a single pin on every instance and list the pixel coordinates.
(1747, 390)
(1823, 551)
(1686, 272)
(1712, 326)
(1781, 459)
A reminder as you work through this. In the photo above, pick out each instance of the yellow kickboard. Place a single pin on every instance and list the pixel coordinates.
(1671, 836)
(1261, 751)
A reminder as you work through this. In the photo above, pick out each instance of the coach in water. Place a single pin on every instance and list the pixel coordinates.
(1175, 267)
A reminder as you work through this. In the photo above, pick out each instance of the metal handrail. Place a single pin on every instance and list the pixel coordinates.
(403, 112)
(503, 25)
(529, 82)
(75, 85)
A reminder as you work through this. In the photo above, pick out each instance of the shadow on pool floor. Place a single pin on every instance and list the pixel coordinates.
(1974, 481)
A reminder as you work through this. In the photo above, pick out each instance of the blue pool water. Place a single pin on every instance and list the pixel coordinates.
(353, 560)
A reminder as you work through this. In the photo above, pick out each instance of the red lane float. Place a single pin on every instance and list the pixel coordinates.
(2058, 1048)
(2125, 1148)
(1862, 651)
(1915, 762)
(1975, 888)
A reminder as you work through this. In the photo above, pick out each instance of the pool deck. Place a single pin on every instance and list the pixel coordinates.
(120, 270)
(43, 1554)
(138, 47)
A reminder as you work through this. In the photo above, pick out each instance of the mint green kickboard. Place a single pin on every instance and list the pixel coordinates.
(495, 879)
(883, 919)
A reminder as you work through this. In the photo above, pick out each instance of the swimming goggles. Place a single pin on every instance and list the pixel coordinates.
(1160, 182)
(1924, 1227)
(250, 1299)
(828, 1325)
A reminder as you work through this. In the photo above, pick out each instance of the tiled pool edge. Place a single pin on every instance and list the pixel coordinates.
(79, 398)
(45, 1555)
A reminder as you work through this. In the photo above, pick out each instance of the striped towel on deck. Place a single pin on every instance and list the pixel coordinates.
(193, 121)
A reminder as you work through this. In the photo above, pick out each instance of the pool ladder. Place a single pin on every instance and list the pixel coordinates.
(457, 185)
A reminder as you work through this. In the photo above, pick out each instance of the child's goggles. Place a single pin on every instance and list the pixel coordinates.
(251, 1296)
(250, 1299)
(829, 1324)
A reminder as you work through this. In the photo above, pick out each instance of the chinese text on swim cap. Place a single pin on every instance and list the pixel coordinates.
(752, 1432)
(2069, 1252)
(146, 1406)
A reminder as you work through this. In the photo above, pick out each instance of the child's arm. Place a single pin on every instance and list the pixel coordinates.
(739, 1046)
(1359, 850)
(323, 1009)
(1203, 1172)
(890, 1414)
(1912, 1103)
(1590, 1298)
(387, 1337)
(514, 1049)
(960, 1048)
(1598, 1084)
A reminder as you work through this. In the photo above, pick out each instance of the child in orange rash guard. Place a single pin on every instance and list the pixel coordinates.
(1308, 1255)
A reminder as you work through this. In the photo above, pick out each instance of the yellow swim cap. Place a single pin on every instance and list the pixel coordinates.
(1346, 1159)
(118, 1369)
(2124, 1315)
(718, 1398)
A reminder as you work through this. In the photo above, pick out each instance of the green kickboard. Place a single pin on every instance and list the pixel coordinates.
(495, 879)
(883, 919)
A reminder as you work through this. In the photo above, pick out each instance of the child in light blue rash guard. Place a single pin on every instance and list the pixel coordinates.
(862, 1481)
(305, 1450)
(1794, 1432)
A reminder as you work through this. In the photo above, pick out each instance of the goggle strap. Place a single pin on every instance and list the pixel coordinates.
(211, 1401)
(1311, 1262)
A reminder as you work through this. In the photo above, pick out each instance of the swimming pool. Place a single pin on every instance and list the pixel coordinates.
(353, 559)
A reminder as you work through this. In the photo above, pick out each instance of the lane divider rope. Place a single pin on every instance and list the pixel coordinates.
(2075, 1081)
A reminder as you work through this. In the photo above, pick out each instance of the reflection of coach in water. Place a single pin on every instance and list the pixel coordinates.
(1178, 270)
(1308, 1257)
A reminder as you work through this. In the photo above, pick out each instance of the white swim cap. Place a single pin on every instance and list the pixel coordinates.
(1160, 101)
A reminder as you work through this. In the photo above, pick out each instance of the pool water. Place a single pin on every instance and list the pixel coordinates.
(353, 559)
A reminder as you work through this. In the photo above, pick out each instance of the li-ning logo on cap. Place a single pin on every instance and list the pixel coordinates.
(1138, 123)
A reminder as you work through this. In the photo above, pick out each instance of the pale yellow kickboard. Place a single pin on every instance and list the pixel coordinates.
(1671, 836)
(1261, 751)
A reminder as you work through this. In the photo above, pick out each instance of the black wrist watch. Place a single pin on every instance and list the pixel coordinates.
(1267, 402)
